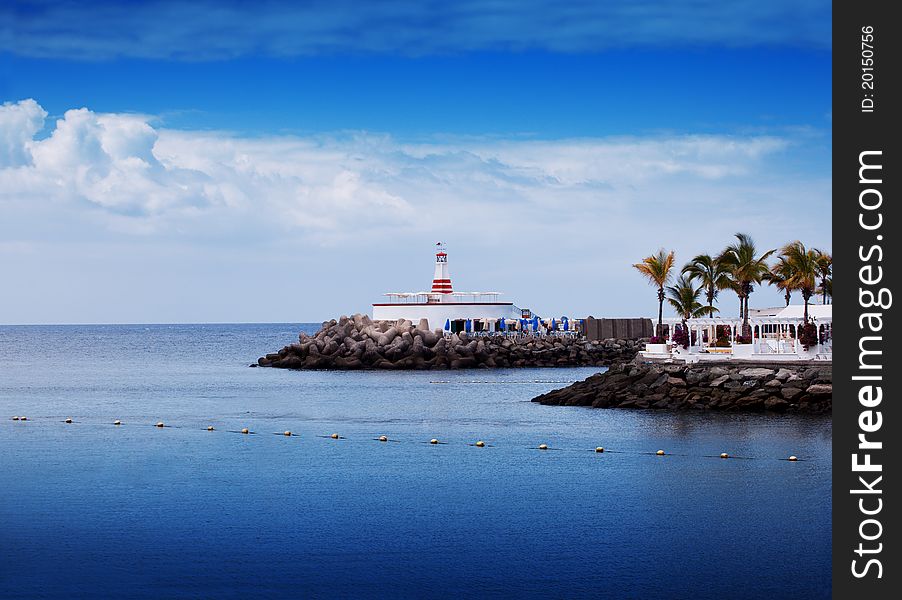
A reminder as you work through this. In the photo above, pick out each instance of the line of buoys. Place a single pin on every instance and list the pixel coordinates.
(433, 441)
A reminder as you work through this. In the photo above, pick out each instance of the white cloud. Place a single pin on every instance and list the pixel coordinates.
(148, 180)
(555, 209)
(18, 124)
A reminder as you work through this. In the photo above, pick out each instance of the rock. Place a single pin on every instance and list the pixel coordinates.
(719, 381)
(756, 372)
(776, 404)
(790, 393)
(820, 389)
(784, 374)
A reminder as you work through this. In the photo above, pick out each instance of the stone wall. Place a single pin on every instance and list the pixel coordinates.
(360, 343)
(627, 329)
(778, 387)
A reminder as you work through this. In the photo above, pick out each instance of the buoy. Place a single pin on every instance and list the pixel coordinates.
(793, 458)
(599, 449)
(23, 418)
(287, 434)
(724, 455)
(210, 428)
(245, 430)
(160, 424)
(68, 420)
(334, 436)
(383, 438)
(117, 422)
(480, 444)
(660, 453)
(15, 418)
(433, 441)
(543, 447)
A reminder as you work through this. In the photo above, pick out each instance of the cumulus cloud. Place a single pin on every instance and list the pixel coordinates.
(132, 176)
(221, 29)
(19, 123)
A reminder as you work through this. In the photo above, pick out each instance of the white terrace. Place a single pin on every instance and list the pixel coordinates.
(774, 337)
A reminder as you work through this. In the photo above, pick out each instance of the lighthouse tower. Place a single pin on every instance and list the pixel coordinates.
(441, 282)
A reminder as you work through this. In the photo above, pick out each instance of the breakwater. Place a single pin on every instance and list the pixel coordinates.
(748, 387)
(358, 342)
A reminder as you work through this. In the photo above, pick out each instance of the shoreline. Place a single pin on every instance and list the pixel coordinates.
(783, 388)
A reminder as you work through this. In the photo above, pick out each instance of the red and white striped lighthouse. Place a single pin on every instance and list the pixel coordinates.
(441, 282)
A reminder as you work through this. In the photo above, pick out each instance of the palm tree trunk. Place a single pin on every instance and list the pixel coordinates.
(745, 317)
(788, 294)
(660, 331)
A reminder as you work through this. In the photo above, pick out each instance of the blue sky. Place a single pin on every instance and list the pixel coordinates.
(169, 162)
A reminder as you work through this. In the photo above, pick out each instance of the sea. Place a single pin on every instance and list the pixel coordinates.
(89, 509)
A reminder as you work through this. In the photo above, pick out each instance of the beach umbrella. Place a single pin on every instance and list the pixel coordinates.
(553, 324)
(566, 323)
(501, 324)
(447, 324)
(468, 325)
(535, 323)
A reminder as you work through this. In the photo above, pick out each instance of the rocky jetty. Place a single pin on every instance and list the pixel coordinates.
(360, 343)
(749, 387)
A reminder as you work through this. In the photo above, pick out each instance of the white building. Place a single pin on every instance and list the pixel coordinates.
(442, 306)
(775, 336)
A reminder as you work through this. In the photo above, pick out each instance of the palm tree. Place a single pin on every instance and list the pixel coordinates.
(803, 265)
(825, 272)
(683, 297)
(656, 268)
(826, 288)
(779, 277)
(746, 269)
(712, 276)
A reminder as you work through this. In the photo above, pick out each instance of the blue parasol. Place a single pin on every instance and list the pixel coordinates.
(468, 325)
(566, 323)
(535, 323)
(447, 324)
(553, 324)
(501, 324)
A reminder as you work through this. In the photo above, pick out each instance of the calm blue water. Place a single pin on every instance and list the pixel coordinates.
(91, 510)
